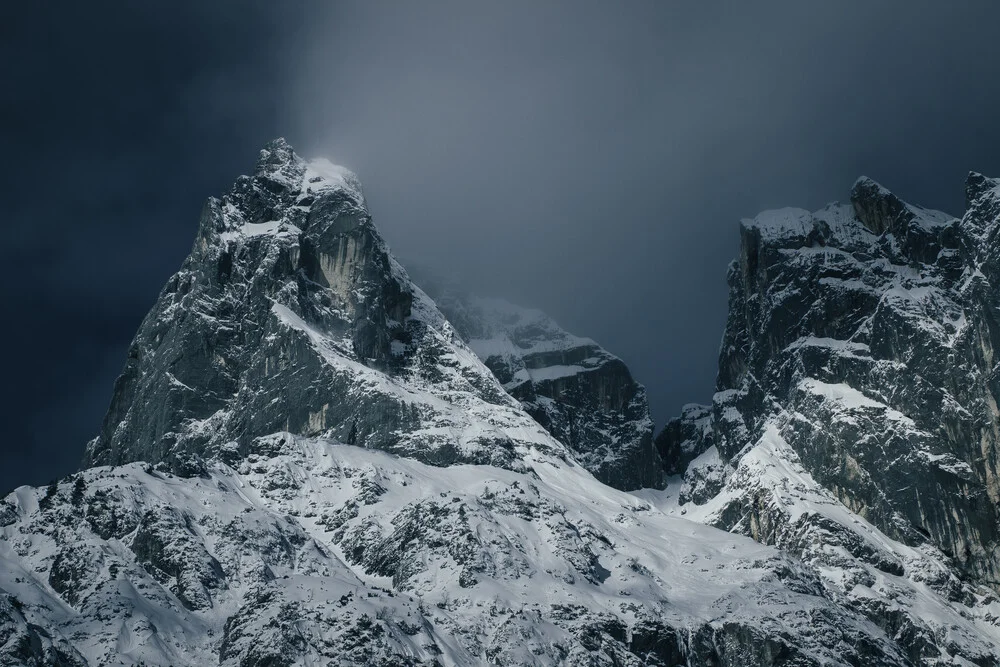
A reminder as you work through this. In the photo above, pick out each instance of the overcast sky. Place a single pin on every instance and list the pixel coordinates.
(589, 159)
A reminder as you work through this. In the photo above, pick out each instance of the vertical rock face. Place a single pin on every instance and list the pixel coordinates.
(582, 394)
(291, 315)
(857, 384)
(875, 340)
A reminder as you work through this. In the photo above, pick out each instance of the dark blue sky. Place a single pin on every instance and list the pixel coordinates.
(590, 159)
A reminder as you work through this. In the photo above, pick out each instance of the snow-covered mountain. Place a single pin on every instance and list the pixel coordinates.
(305, 463)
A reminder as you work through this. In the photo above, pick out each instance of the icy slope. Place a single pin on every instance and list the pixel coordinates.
(582, 394)
(307, 551)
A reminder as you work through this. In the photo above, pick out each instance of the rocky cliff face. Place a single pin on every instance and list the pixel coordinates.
(291, 315)
(582, 394)
(685, 438)
(856, 398)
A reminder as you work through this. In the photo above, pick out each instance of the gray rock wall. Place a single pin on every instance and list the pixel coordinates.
(866, 333)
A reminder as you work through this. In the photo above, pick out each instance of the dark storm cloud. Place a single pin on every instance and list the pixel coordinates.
(591, 159)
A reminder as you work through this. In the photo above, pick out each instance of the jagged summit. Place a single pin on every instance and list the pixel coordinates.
(278, 163)
(978, 185)
(875, 217)
(286, 188)
(872, 205)
(881, 211)
(290, 314)
(876, 207)
(278, 160)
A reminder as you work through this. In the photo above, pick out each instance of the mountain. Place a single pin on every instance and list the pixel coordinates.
(581, 393)
(304, 463)
(855, 423)
(290, 315)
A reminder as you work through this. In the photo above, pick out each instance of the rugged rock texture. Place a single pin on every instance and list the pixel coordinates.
(23, 643)
(582, 394)
(855, 422)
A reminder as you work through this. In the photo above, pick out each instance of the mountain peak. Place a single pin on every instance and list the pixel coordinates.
(856, 397)
(278, 163)
(334, 476)
(277, 151)
(290, 315)
(881, 211)
(280, 170)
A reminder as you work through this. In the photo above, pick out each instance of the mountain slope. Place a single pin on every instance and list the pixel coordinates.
(309, 550)
(582, 394)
